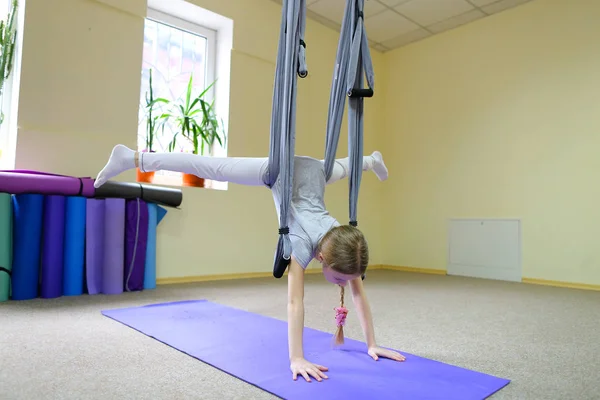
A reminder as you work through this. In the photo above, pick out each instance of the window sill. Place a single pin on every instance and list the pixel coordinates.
(176, 179)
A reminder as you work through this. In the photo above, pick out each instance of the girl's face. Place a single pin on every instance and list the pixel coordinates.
(335, 277)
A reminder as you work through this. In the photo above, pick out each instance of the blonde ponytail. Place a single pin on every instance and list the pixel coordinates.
(340, 318)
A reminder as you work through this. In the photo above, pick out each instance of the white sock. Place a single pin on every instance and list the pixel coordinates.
(121, 159)
(379, 166)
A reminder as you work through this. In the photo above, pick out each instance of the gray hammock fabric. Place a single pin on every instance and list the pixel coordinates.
(352, 61)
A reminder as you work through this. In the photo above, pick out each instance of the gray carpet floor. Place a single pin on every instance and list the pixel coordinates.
(545, 339)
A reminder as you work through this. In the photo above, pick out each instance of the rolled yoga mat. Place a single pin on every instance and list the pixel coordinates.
(74, 249)
(170, 197)
(114, 246)
(94, 244)
(28, 210)
(155, 215)
(36, 182)
(254, 348)
(136, 238)
(6, 250)
(53, 234)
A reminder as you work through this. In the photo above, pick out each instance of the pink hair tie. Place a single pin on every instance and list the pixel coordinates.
(340, 315)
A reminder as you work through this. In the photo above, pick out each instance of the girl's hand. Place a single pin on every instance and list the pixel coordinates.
(303, 367)
(377, 352)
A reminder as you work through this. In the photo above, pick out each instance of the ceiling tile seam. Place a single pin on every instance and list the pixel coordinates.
(402, 15)
(476, 7)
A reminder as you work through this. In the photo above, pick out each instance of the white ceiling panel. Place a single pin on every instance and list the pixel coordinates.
(457, 21)
(428, 12)
(504, 5)
(391, 3)
(387, 25)
(330, 9)
(394, 23)
(481, 3)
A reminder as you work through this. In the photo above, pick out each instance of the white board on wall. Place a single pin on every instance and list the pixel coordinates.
(485, 248)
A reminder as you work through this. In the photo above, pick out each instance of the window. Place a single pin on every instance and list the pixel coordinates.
(175, 51)
(10, 94)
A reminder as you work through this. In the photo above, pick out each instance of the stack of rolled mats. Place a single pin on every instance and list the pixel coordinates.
(60, 236)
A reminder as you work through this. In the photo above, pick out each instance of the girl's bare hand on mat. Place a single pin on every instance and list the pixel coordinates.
(377, 352)
(306, 368)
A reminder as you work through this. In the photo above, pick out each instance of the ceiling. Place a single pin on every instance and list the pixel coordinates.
(394, 23)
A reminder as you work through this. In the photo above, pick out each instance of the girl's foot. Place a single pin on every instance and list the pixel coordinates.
(121, 159)
(379, 166)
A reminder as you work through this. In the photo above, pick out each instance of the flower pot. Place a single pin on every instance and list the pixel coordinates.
(192, 180)
(146, 177)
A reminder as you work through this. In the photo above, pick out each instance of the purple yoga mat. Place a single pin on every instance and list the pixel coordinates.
(52, 246)
(254, 349)
(136, 239)
(114, 246)
(25, 181)
(94, 244)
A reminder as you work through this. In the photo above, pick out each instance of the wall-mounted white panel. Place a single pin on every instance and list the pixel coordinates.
(485, 248)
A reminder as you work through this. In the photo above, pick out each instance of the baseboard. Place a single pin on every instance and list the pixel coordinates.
(223, 277)
(430, 271)
(254, 275)
(570, 285)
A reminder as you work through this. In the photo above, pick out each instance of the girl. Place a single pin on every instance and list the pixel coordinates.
(314, 233)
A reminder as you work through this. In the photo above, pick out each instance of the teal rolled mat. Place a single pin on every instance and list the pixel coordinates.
(150, 265)
(5, 245)
(155, 214)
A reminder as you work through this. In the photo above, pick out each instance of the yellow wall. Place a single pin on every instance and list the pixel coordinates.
(500, 119)
(488, 120)
(79, 97)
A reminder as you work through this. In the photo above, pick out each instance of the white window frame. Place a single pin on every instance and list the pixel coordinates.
(10, 94)
(209, 34)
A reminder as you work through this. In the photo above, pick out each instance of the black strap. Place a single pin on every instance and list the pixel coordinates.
(354, 223)
(8, 271)
(302, 43)
(284, 231)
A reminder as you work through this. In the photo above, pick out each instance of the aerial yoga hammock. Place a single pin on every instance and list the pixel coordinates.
(352, 61)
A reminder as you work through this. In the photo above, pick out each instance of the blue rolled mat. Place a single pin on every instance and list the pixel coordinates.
(150, 266)
(113, 270)
(5, 245)
(94, 244)
(53, 238)
(160, 214)
(74, 250)
(28, 210)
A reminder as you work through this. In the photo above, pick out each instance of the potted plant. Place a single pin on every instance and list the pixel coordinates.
(196, 122)
(8, 34)
(152, 123)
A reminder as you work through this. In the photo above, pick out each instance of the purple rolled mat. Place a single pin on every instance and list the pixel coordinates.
(136, 239)
(52, 246)
(94, 244)
(24, 181)
(114, 246)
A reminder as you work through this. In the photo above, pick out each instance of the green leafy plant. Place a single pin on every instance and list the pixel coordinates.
(8, 34)
(152, 121)
(196, 121)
